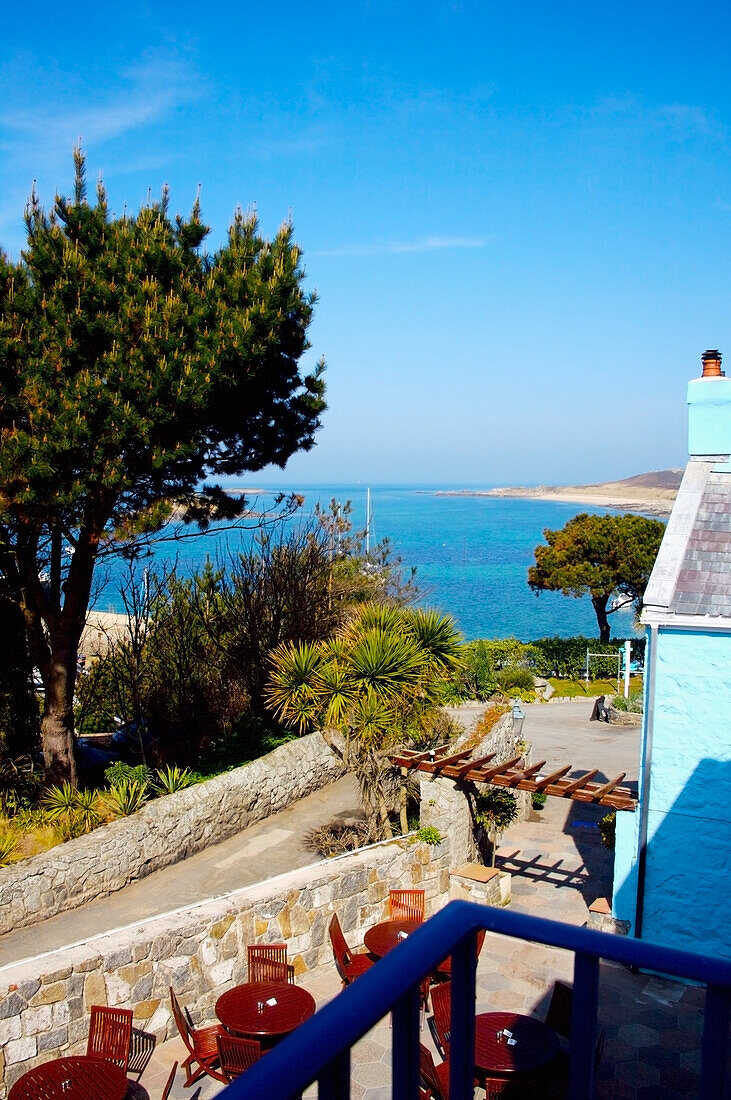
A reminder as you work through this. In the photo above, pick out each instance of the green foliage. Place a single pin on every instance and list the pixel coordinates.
(598, 556)
(429, 835)
(72, 811)
(8, 847)
(483, 662)
(607, 829)
(126, 798)
(376, 682)
(119, 772)
(513, 680)
(171, 779)
(567, 656)
(538, 799)
(133, 365)
(496, 808)
(633, 704)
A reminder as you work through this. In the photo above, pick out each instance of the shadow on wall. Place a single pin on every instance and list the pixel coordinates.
(688, 865)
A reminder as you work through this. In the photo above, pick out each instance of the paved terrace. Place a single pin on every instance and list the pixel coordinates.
(558, 868)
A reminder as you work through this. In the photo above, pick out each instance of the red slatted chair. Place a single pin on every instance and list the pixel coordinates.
(237, 1055)
(110, 1033)
(434, 1079)
(444, 970)
(349, 966)
(169, 1082)
(406, 904)
(201, 1043)
(440, 1024)
(268, 963)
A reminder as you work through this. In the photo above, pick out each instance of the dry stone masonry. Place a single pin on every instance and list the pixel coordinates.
(164, 832)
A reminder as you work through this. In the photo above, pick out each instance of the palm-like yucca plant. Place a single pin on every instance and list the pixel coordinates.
(293, 691)
(373, 682)
(88, 811)
(8, 848)
(126, 798)
(171, 779)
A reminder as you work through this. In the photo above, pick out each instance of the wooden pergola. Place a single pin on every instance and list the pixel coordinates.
(512, 774)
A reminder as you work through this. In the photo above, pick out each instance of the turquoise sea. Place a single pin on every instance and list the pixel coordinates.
(471, 556)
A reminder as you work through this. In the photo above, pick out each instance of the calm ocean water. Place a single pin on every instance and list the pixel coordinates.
(471, 555)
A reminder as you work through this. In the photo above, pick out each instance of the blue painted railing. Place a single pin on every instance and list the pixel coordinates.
(319, 1050)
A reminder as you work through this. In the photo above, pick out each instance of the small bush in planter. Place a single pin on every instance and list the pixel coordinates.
(607, 828)
(538, 800)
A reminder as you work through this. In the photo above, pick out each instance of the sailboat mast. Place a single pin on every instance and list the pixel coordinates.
(368, 523)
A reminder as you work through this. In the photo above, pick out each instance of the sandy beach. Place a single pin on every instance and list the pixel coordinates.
(651, 493)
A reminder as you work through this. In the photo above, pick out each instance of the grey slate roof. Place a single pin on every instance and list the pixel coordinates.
(692, 573)
(703, 586)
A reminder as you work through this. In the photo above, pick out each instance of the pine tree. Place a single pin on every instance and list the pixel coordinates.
(132, 366)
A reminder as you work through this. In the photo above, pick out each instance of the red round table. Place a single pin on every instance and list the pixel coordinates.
(78, 1078)
(536, 1044)
(244, 1009)
(383, 937)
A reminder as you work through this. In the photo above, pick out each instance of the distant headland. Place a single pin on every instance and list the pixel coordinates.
(652, 493)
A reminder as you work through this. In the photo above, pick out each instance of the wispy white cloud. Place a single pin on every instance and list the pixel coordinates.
(680, 120)
(383, 248)
(144, 93)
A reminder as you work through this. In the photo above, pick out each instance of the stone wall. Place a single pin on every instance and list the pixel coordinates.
(201, 951)
(165, 831)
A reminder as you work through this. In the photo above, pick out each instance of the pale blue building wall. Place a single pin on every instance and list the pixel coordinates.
(688, 866)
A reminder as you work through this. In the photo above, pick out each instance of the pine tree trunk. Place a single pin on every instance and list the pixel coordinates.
(57, 724)
(600, 610)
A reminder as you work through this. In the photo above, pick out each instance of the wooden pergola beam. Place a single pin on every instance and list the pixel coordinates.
(510, 774)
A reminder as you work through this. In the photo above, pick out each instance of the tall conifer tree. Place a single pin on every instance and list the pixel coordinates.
(132, 366)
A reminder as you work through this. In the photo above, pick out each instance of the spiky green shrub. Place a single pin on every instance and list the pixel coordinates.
(8, 848)
(171, 779)
(126, 798)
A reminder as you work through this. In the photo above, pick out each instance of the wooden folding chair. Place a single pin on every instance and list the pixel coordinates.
(349, 966)
(237, 1054)
(267, 962)
(110, 1032)
(169, 1083)
(406, 904)
(440, 1023)
(434, 1079)
(201, 1044)
(444, 970)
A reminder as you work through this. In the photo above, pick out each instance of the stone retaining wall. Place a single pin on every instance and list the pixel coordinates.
(201, 951)
(165, 831)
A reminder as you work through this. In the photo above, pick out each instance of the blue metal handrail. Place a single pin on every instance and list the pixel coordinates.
(320, 1049)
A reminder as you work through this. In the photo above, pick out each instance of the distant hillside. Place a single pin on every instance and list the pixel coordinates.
(652, 493)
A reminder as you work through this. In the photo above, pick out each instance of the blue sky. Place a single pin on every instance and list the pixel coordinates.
(516, 214)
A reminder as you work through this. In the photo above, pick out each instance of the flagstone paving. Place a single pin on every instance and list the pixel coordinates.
(651, 1050)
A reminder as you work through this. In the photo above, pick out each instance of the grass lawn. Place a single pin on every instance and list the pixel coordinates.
(576, 689)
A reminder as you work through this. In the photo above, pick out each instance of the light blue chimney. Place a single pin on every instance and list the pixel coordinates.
(709, 409)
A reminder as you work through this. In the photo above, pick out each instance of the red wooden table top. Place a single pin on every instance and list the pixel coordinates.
(78, 1078)
(536, 1045)
(239, 1008)
(383, 937)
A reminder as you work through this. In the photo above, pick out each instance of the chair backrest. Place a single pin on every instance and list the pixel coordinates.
(181, 1022)
(260, 958)
(441, 1003)
(169, 1082)
(110, 1032)
(237, 1054)
(428, 1075)
(339, 945)
(558, 1016)
(406, 904)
